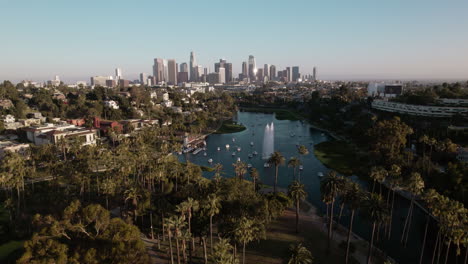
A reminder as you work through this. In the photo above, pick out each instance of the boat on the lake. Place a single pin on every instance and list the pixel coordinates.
(255, 153)
(266, 165)
(238, 149)
(219, 149)
(198, 150)
(204, 154)
(233, 154)
(238, 159)
(251, 143)
(210, 160)
(301, 167)
(250, 156)
(227, 146)
(249, 166)
(320, 174)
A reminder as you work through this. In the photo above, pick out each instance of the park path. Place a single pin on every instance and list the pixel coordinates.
(150, 244)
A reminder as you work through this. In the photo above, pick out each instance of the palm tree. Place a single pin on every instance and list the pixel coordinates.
(254, 175)
(240, 168)
(394, 181)
(377, 212)
(353, 197)
(277, 160)
(187, 208)
(132, 194)
(294, 163)
(300, 255)
(178, 223)
(168, 224)
(244, 233)
(213, 206)
(329, 187)
(297, 193)
(415, 186)
(378, 174)
(223, 253)
(303, 151)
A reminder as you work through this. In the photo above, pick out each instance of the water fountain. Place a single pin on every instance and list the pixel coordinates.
(268, 141)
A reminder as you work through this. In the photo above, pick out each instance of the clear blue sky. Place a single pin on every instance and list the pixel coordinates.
(345, 39)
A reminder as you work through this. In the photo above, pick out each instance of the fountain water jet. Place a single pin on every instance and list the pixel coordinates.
(268, 141)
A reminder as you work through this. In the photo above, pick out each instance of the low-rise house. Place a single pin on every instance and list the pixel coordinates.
(111, 104)
(8, 119)
(5, 104)
(12, 146)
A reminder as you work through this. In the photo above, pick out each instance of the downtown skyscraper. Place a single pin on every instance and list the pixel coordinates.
(159, 70)
(193, 68)
(172, 72)
(252, 68)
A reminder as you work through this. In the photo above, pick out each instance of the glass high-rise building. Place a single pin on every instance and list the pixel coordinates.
(252, 68)
(295, 74)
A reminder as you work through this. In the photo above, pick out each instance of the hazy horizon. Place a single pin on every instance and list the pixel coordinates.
(359, 40)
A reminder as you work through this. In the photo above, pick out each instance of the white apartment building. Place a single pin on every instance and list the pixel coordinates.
(52, 134)
(419, 110)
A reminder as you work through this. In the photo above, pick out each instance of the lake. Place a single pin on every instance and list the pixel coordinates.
(287, 135)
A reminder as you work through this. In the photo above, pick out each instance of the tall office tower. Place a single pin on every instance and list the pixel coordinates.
(158, 70)
(288, 74)
(260, 76)
(172, 72)
(314, 74)
(272, 72)
(183, 67)
(219, 64)
(295, 73)
(193, 64)
(222, 75)
(245, 71)
(228, 68)
(118, 74)
(142, 78)
(252, 68)
(266, 70)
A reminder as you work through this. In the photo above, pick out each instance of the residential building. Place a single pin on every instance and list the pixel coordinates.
(5, 104)
(111, 83)
(7, 145)
(111, 104)
(383, 89)
(99, 81)
(419, 110)
(124, 83)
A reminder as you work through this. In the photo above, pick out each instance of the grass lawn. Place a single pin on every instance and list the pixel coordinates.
(339, 156)
(7, 248)
(229, 126)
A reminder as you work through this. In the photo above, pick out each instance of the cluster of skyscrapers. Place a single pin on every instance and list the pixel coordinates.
(168, 71)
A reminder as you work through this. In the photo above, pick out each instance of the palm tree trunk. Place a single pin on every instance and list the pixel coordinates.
(204, 250)
(184, 250)
(178, 249)
(330, 227)
(406, 220)
(211, 234)
(373, 187)
(370, 244)
(341, 212)
(409, 224)
(243, 253)
(448, 250)
(276, 178)
(466, 255)
(435, 247)
(170, 245)
(348, 241)
(297, 216)
(391, 216)
(424, 240)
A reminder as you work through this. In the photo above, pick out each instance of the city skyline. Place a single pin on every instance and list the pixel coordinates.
(359, 40)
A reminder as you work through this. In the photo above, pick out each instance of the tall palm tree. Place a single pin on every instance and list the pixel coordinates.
(297, 193)
(394, 181)
(213, 206)
(294, 163)
(415, 186)
(223, 253)
(276, 159)
(377, 212)
(300, 255)
(187, 208)
(244, 233)
(133, 195)
(178, 223)
(255, 176)
(168, 225)
(329, 187)
(353, 197)
(240, 169)
(303, 151)
(378, 174)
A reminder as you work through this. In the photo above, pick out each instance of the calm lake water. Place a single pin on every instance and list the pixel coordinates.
(287, 135)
